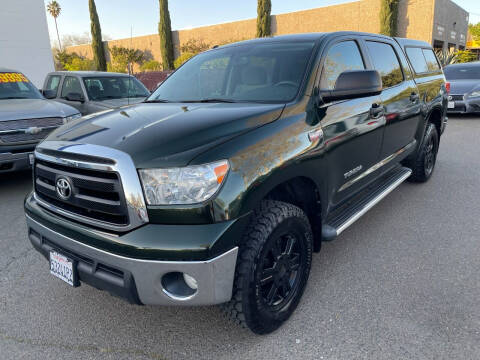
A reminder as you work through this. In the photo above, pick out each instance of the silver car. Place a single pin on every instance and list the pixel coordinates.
(93, 91)
(26, 118)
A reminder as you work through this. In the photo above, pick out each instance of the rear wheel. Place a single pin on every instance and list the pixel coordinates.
(423, 163)
(272, 268)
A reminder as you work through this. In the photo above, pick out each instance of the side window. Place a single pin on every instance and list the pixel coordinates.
(340, 57)
(385, 61)
(71, 85)
(432, 62)
(415, 55)
(53, 82)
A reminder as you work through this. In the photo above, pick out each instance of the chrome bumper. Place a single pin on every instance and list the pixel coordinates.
(214, 277)
(18, 161)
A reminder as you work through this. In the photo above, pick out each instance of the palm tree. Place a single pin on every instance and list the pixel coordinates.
(54, 9)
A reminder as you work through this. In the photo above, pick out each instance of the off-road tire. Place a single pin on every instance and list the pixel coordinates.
(269, 225)
(426, 154)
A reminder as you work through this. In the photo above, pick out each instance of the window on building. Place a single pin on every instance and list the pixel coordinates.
(415, 55)
(71, 85)
(52, 83)
(341, 57)
(431, 59)
(385, 61)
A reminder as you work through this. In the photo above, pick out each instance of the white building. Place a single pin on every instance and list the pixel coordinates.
(24, 39)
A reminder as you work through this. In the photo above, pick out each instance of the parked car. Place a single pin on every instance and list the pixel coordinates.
(26, 117)
(153, 79)
(93, 91)
(218, 188)
(464, 82)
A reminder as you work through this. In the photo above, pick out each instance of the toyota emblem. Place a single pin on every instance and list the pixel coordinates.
(63, 188)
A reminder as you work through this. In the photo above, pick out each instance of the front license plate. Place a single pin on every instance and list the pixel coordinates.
(451, 104)
(63, 268)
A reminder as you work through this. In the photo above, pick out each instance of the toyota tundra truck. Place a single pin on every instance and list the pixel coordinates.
(219, 187)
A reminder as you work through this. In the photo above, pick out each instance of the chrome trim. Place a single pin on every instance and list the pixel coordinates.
(24, 130)
(373, 202)
(376, 166)
(214, 277)
(124, 166)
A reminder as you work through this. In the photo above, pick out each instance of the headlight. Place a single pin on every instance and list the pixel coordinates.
(187, 185)
(71, 117)
(476, 93)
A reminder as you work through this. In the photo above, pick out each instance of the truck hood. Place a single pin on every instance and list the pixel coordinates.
(116, 103)
(170, 135)
(15, 109)
(460, 87)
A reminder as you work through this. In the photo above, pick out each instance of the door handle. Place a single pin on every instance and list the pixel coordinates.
(376, 111)
(414, 97)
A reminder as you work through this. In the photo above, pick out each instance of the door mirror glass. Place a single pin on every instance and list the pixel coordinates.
(49, 94)
(74, 96)
(354, 84)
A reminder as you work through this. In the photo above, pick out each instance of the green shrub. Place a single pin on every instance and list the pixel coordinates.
(388, 17)
(151, 65)
(80, 64)
(182, 58)
(464, 56)
(121, 57)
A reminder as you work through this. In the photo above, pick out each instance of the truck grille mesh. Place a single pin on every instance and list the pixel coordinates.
(96, 195)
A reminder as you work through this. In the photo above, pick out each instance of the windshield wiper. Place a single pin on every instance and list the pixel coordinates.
(14, 97)
(157, 101)
(209, 100)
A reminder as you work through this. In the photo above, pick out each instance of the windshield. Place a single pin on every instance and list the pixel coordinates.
(16, 86)
(269, 72)
(462, 72)
(109, 87)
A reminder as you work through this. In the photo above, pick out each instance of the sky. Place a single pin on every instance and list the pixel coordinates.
(120, 18)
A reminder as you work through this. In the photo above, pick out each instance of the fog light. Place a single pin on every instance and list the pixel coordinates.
(190, 281)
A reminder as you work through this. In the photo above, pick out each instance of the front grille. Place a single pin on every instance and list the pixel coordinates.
(457, 97)
(22, 137)
(96, 194)
(45, 124)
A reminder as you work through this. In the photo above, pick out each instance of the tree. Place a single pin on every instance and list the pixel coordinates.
(388, 17)
(165, 32)
(123, 59)
(97, 44)
(54, 9)
(474, 29)
(264, 7)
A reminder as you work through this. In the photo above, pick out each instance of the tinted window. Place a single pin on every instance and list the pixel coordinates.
(103, 88)
(415, 55)
(267, 72)
(52, 83)
(71, 85)
(432, 62)
(17, 86)
(462, 72)
(385, 61)
(341, 57)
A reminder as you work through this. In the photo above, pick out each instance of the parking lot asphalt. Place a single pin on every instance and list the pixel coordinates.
(401, 283)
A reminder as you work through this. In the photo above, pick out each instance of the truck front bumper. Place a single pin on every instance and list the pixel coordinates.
(13, 161)
(141, 281)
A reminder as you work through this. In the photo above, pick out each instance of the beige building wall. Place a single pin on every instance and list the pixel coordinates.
(416, 20)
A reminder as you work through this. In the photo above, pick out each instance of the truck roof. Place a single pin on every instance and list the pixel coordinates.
(410, 42)
(89, 73)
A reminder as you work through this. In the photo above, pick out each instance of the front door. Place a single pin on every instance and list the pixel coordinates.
(72, 85)
(352, 128)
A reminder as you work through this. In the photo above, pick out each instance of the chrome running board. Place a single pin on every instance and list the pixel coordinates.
(341, 221)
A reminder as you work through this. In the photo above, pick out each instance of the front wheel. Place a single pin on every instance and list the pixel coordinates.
(423, 163)
(272, 268)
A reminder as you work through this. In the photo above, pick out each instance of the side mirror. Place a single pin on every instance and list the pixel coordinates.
(354, 84)
(49, 94)
(74, 96)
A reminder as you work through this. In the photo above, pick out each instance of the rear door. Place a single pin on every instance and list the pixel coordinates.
(400, 96)
(352, 128)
